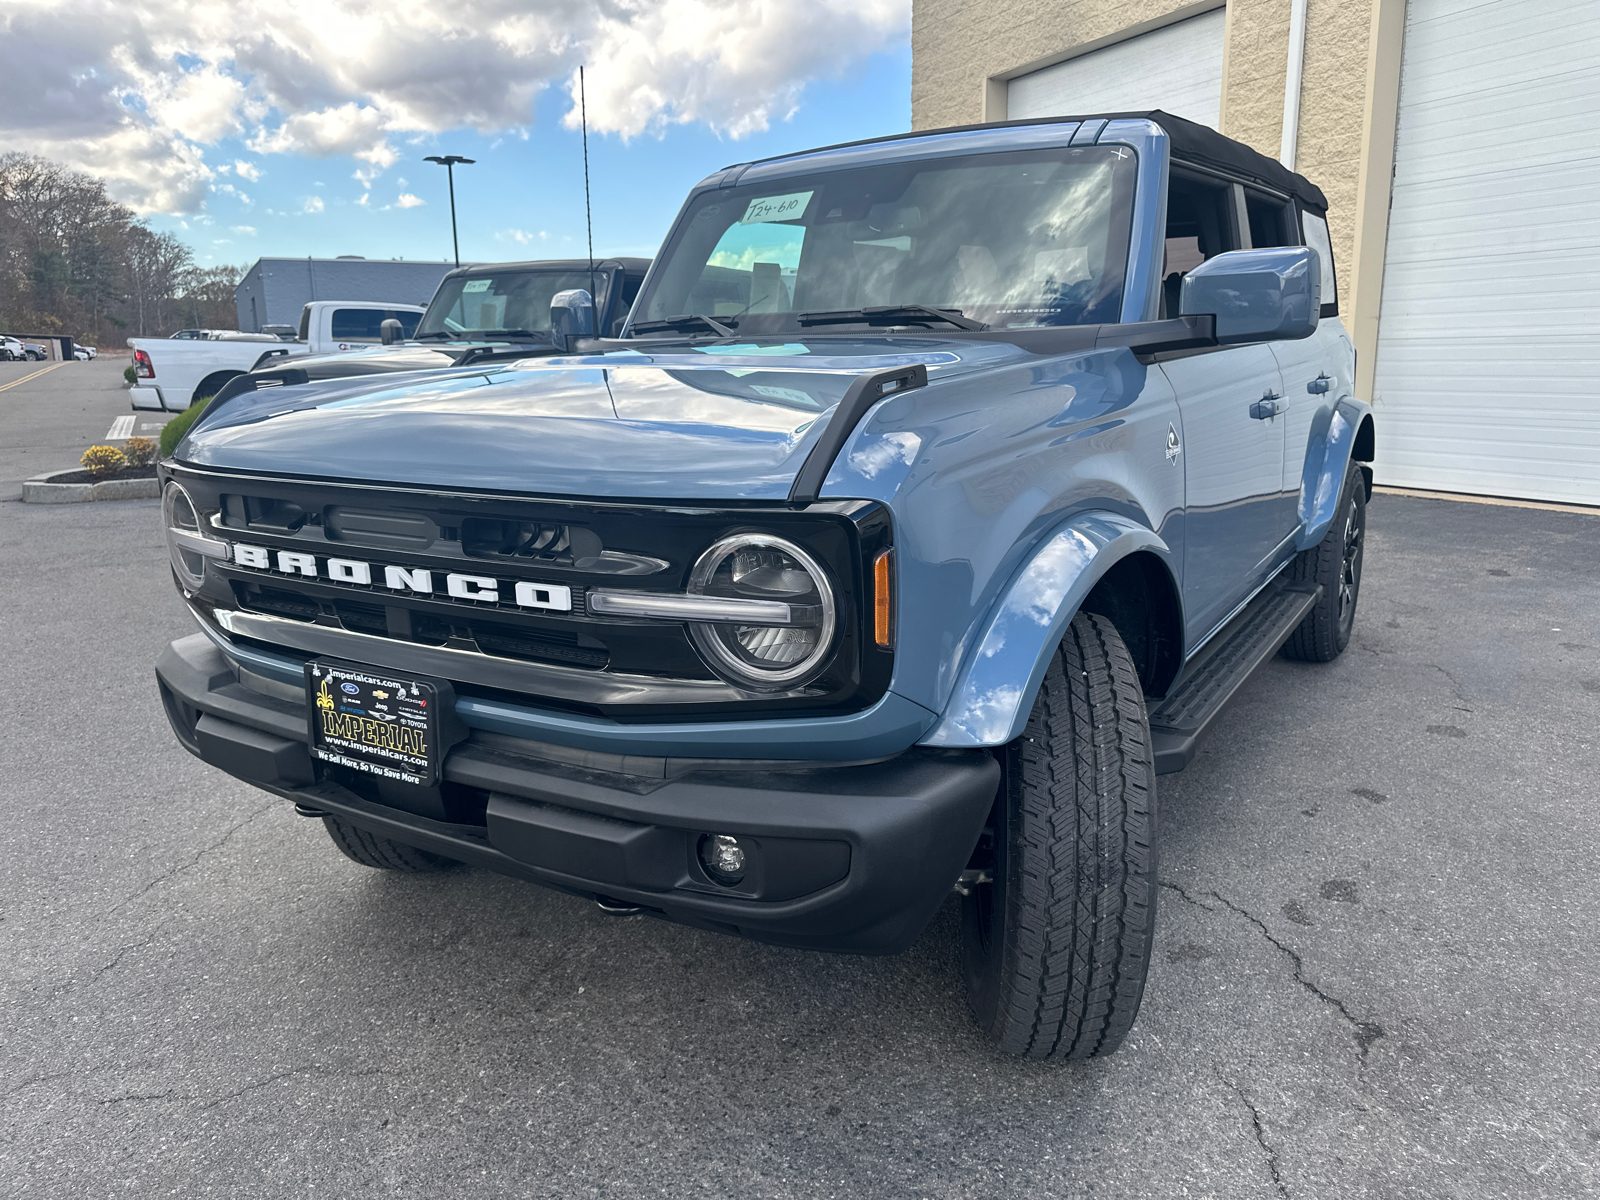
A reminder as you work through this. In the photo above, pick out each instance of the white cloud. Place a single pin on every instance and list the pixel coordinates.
(246, 230)
(733, 64)
(158, 83)
(227, 189)
(314, 204)
(407, 200)
(521, 237)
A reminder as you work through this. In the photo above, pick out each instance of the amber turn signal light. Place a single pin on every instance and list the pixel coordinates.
(882, 600)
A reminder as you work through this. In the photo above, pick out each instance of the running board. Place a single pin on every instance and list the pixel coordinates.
(1180, 718)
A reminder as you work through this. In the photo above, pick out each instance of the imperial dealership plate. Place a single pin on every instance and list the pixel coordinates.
(382, 724)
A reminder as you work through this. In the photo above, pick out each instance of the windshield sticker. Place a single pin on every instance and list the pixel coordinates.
(776, 208)
(476, 285)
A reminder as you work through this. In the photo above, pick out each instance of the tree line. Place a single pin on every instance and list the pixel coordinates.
(74, 262)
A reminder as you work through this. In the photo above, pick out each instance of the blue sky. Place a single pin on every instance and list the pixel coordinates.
(299, 127)
(523, 197)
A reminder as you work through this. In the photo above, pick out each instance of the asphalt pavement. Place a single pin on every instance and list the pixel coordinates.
(51, 412)
(1375, 972)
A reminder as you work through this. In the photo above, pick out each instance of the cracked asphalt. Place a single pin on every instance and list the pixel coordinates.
(1375, 972)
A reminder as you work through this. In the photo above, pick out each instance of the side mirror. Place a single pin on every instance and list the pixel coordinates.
(391, 332)
(1264, 295)
(571, 317)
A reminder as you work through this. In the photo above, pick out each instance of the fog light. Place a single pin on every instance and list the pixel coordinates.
(723, 858)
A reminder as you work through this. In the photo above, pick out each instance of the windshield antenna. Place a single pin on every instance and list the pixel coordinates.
(588, 217)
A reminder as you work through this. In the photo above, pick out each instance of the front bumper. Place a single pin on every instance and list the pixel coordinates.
(846, 858)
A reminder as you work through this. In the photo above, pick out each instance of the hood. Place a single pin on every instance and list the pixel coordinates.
(385, 360)
(713, 423)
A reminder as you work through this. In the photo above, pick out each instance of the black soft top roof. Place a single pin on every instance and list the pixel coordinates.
(1205, 147)
(1191, 142)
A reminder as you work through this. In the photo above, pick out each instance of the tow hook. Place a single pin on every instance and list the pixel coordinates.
(970, 879)
(617, 908)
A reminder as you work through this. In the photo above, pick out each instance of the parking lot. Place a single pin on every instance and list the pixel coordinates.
(1376, 971)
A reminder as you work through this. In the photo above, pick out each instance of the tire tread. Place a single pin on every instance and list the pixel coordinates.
(381, 853)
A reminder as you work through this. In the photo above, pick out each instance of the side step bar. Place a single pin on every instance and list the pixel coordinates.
(1180, 718)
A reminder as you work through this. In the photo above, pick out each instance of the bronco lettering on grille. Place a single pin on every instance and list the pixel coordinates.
(546, 597)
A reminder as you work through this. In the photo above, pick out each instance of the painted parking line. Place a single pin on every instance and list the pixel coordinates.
(121, 429)
(6, 387)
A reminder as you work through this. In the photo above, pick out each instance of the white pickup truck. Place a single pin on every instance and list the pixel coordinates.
(175, 372)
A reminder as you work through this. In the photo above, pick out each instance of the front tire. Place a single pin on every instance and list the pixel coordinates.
(1057, 944)
(381, 853)
(1335, 563)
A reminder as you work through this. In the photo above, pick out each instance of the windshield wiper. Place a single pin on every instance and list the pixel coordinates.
(890, 312)
(680, 321)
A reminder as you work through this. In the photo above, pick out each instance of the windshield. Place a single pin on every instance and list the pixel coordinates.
(1014, 241)
(517, 300)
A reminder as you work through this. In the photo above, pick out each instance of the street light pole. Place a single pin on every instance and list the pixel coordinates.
(448, 162)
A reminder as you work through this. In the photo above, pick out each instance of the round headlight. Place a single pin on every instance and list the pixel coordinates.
(753, 566)
(179, 514)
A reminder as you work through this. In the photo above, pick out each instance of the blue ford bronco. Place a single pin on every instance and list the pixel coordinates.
(936, 494)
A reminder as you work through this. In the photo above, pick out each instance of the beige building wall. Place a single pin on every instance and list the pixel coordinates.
(963, 52)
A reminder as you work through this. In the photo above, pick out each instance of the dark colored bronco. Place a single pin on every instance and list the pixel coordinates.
(485, 313)
(936, 494)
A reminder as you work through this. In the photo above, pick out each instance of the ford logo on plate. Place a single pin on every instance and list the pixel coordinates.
(350, 688)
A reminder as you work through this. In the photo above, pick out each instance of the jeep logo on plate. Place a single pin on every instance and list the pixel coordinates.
(486, 589)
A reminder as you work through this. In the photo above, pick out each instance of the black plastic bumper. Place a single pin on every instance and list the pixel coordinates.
(845, 858)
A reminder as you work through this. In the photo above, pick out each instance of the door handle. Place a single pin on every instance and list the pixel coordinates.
(1319, 385)
(1265, 408)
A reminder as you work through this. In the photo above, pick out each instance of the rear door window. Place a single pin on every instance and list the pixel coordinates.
(1271, 221)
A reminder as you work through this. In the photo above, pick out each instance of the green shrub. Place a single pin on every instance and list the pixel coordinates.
(172, 432)
(130, 374)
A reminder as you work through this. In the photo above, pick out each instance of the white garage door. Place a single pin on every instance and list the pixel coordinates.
(1488, 367)
(1177, 69)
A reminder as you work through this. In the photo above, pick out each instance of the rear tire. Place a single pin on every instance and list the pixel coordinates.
(381, 853)
(1335, 563)
(1056, 947)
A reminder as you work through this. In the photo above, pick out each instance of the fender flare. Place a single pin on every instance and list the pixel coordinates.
(1328, 452)
(995, 688)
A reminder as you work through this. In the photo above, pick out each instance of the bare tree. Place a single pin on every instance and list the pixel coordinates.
(73, 261)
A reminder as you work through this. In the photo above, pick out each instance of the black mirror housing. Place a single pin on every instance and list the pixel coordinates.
(391, 332)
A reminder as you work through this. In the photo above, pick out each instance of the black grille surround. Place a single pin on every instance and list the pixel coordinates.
(622, 668)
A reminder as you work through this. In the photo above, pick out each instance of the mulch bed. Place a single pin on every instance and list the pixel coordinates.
(145, 472)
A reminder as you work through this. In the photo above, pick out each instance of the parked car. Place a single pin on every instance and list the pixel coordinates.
(35, 352)
(489, 312)
(11, 349)
(83, 353)
(174, 373)
(935, 497)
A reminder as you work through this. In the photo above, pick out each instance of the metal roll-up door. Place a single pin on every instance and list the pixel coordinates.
(1488, 362)
(1177, 68)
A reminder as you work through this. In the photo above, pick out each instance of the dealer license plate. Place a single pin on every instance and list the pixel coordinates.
(386, 725)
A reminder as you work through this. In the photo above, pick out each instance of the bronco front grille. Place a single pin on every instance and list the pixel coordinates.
(504, 582)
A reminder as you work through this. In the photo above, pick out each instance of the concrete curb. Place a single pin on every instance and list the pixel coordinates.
(40, 490)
